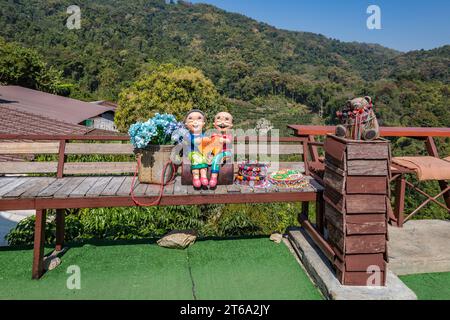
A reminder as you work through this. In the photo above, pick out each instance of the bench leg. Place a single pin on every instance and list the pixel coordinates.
(39, 240)
(305, 208)
(400, 189)
(320, 208)
(59, 230)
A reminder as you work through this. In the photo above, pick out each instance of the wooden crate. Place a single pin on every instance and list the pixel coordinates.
(356, 198)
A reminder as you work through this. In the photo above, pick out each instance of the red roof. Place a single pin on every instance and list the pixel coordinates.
(13, 120)
(106, 104)
(50, 105)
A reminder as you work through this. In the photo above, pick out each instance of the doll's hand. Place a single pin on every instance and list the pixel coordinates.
(198, 141)
(209, 158)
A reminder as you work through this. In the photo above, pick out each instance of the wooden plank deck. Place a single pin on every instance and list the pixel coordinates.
(113, 191)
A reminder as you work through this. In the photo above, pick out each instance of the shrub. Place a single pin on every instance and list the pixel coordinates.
(166, 89)
(145, 223)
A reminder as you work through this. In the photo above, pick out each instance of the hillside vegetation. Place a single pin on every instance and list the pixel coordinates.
(282, 75)
(257, 70)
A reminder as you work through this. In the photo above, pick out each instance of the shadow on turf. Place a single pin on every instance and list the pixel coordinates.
(101, 242)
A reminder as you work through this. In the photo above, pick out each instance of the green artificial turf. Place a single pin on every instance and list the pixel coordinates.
(429, 286)
(248, 269)
(212, 269)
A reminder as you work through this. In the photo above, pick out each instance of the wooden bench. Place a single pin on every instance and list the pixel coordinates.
(314, 165)
(60, 184)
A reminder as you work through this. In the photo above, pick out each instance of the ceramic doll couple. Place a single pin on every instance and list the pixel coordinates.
(208, 150)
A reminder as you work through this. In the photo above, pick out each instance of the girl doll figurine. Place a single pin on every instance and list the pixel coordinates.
(194, 122)
(219, 146)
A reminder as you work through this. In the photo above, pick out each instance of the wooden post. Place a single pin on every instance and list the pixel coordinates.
(305, 155)
(313, 149)
(39, 241)
(320, 212)
(400, 189)
(59, 229)
(61, 159)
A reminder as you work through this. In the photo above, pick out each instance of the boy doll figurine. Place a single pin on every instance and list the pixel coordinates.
(219, 147)
(194, 122)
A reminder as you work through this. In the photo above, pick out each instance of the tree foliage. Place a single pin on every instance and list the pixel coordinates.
(166, 89)
(248, 61)
(25, 67)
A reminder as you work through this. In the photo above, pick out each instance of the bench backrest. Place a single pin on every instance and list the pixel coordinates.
(63, 146)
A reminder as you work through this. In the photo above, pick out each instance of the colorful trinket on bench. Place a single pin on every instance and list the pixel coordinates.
(288, 178)
(252, 173)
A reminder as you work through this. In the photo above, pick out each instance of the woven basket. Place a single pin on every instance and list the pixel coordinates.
(153, 160)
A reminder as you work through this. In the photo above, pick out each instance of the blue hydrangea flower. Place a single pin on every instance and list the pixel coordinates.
(157, 130)
(180, 134)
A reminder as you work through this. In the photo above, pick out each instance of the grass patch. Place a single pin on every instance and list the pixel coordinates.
(252, 268)
(429, 286)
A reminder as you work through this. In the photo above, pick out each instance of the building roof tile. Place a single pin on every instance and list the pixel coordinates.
(50, 105)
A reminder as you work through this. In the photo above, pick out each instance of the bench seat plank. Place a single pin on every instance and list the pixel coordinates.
(10, 186)
(178, 188)
(69, 187)
(83, 188)
(125, 188)
(33, 191)
(17, 192)
(153, 190)
(140, 189)
(98, 187)
(53, 188)
(113, 186)
(5, 181)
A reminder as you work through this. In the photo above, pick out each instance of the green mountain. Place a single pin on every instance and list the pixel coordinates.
(426, 65)
(283, 75)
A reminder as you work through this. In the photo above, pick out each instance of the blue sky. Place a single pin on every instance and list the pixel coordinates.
(405, 24)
